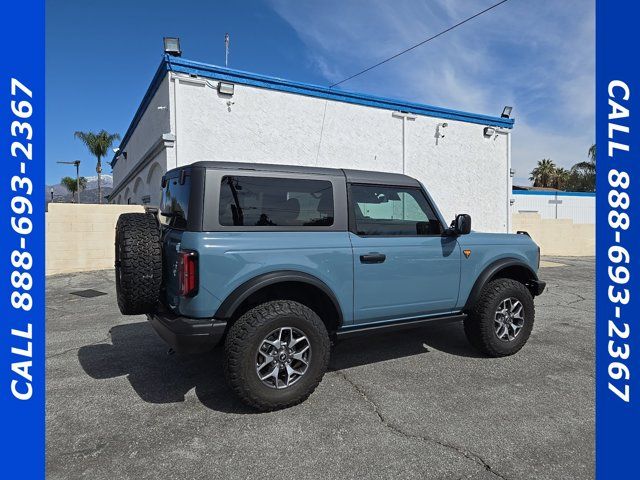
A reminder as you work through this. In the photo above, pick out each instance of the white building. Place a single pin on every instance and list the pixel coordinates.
(194, 111)
(579, 207)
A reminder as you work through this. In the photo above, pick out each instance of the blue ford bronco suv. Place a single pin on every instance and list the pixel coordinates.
(277, 261)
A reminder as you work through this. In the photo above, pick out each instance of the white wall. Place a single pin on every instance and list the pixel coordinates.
(155, 122)
(580, 209)
(464, 171)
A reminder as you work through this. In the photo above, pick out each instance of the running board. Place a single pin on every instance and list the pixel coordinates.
(399, 325)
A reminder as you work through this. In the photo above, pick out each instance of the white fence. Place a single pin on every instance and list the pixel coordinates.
(580, 207)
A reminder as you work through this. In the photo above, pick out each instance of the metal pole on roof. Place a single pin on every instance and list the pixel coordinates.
(226, 49)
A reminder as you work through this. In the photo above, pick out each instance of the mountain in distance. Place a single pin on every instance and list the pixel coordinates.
(88, 195)
(106, 180)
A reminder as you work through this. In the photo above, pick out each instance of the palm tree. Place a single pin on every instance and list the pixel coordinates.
(585, 172)
(561, 178)
(98, 144)
(590, 166)
(72, 185)
(544, 173)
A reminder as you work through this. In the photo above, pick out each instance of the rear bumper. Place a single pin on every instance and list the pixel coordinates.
(187, 335)
(536, 287)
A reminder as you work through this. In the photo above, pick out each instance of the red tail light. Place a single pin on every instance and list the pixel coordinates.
(187, 273)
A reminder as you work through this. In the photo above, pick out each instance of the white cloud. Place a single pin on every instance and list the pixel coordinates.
(537, 56)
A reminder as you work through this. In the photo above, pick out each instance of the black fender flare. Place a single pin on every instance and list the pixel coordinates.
(244, 291)
(489, 271)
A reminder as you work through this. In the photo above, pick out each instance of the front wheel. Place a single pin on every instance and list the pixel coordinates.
(501, 321)
(276, 354)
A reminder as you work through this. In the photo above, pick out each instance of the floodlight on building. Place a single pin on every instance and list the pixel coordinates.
(489, 131)
(506, 112)
(172, 46)
(225, 88)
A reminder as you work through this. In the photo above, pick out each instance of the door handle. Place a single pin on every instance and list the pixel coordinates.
(373, 258)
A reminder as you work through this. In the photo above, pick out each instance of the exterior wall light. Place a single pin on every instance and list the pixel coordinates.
(506, 112)
(225, 88)
(172, 46)
(489, 131)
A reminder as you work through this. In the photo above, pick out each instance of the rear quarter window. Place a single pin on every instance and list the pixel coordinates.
(275, 202)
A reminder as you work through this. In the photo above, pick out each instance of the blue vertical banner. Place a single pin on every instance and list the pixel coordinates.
(22, 247)
(617, 239)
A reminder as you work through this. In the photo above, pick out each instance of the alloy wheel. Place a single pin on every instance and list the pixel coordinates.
(283, 357)
(509, 319)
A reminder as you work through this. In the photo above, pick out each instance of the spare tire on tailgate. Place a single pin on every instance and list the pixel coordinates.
(138, 263)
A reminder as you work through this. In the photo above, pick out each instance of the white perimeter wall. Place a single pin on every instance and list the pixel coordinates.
(80, 236)
(464, 171)
(581, 209)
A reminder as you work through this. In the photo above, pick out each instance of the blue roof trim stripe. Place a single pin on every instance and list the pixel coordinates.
(188, 66)
(553, 194)
(182, 65)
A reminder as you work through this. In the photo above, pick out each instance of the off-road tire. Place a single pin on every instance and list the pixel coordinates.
(138, 263)
(246, 335)
(479, 324)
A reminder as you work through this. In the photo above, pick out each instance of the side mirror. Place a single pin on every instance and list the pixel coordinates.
(462, 224)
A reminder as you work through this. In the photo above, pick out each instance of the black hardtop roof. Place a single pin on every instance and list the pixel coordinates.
(352, 176)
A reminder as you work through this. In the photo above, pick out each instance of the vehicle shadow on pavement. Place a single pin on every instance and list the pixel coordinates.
(381, 346)
(139, 354)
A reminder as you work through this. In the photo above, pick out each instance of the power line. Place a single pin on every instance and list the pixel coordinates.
(418, 44)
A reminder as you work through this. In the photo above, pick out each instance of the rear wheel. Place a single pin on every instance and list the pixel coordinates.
(276, 354)
(138, 263)
(501, 321)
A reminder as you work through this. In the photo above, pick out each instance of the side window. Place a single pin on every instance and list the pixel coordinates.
(386, 210)
(275, 202)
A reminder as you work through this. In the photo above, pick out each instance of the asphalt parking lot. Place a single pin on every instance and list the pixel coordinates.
(413, 404)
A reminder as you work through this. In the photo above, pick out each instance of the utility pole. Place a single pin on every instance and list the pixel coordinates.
(226, 49)
(77, 165)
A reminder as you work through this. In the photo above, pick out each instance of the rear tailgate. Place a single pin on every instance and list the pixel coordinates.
(171, 239)
(174, 216)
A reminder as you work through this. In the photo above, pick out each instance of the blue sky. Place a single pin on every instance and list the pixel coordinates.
(537, 56)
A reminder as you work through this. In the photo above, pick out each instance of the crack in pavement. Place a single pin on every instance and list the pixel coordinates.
(64, 352)
(580, 298)
(398, 431)
(87, 452)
